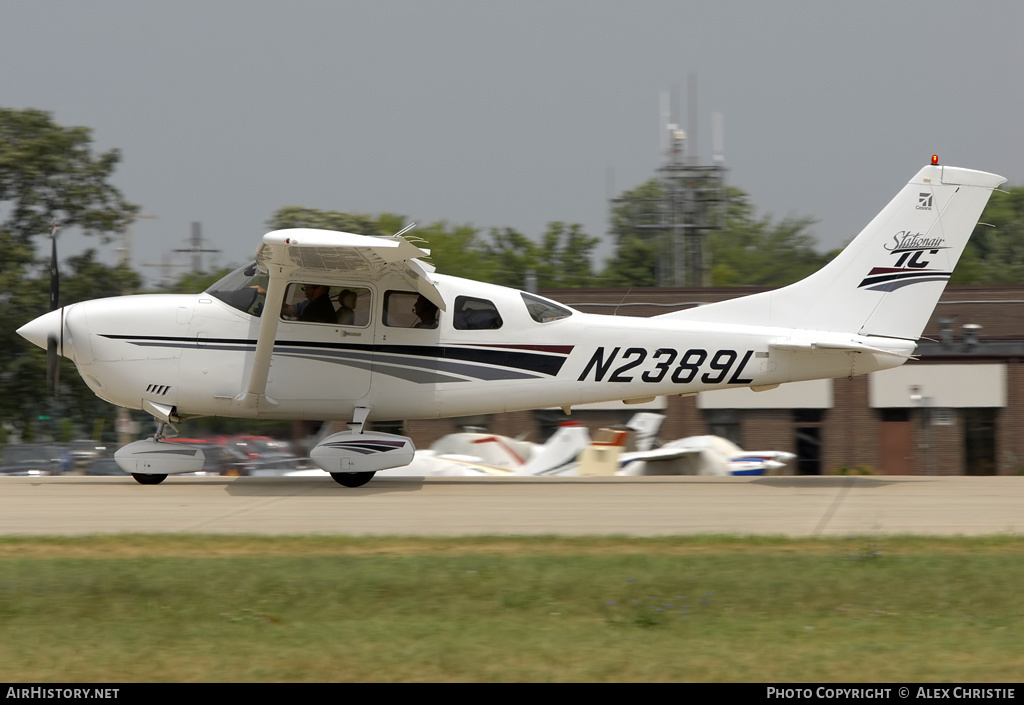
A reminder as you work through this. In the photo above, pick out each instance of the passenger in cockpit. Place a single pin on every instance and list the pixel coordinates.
(426, 311)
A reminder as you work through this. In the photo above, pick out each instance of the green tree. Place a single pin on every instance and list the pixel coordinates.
(757, 252)
(572, 250)
(561, 259)
(47, 173)
(995, 252)
(746, 251)
(637, 246)
(456, 250)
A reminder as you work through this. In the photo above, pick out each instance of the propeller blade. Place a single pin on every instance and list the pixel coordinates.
(52, 365)
(54, 345)
(54, 273)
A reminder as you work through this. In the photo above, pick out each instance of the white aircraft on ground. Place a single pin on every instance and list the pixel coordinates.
(481, 454)
(632, 451)
(397, 340)
(703, 455)
(471, 454)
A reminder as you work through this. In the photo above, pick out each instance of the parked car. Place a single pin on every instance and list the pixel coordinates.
(80, 453)
(104, 466)
(214, 463)
(31, 459)
(258, 455)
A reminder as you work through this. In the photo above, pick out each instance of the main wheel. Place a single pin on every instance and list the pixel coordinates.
(147, 479)
(352, 479)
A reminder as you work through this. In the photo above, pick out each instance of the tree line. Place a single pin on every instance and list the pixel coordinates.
(49, 173)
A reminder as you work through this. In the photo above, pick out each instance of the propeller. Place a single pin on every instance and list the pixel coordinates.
(54, 344)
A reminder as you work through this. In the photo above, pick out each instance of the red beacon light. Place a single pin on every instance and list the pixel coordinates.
(935, 160)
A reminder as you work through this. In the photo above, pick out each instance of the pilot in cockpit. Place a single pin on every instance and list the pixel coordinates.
(426, 311)
(317, 308)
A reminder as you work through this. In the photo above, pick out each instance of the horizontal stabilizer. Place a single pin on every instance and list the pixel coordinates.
(796, 344)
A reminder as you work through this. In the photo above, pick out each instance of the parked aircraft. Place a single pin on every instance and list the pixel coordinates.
(406, 342)
(703, 455)
(469, 453)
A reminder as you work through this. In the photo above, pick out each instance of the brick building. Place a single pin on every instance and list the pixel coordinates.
(958, 409)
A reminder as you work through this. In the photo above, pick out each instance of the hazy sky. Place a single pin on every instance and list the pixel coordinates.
(510, 114)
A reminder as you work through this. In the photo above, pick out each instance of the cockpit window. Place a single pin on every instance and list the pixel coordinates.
(544, 311)
(311, 302)
(244, 289)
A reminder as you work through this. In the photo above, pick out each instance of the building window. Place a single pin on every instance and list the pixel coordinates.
(724, 423)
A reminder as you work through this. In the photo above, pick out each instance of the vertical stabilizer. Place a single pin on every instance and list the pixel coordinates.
(889, 278)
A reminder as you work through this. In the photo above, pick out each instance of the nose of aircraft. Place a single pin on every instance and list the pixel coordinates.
(41, 329)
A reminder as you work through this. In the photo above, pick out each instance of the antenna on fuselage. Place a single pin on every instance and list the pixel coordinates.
(406, 229)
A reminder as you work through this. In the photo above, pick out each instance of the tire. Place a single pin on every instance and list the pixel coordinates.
(147, 479)
(352, 479)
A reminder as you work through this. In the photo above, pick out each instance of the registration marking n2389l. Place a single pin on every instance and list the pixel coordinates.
(668, 362)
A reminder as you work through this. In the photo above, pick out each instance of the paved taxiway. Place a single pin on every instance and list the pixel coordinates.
(653, 506)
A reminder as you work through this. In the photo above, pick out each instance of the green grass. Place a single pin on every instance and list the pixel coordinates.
(230, 609)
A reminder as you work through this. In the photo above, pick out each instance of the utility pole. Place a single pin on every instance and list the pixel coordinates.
(196, 248)
(126, 240)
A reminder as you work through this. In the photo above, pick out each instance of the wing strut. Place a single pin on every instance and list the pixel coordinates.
(260, 370)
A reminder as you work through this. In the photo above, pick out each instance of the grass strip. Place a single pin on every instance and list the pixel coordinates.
(696, 609)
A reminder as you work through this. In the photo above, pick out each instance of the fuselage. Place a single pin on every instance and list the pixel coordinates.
(492, 349)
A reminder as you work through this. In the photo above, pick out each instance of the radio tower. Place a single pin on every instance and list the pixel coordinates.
(688, 208)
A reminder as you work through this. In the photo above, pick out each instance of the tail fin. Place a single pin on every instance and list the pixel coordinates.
(561, 449)
(645, 427)
(889, 278)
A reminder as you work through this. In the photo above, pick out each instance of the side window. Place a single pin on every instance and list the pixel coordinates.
(407, 309)
(322, 303)
(353, 304)
(475, 314)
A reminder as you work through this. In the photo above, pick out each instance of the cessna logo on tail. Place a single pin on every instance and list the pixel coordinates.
(913, 252)
(924, 201)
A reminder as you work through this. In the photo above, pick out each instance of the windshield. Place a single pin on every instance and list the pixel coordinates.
(544, 311)
(244, 289)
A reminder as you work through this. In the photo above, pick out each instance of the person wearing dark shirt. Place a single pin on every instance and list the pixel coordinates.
(317, 308)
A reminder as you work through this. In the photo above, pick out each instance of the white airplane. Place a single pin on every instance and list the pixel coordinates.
(490, 454)
(470, 454)
(612, 453)
(406, 342)
(703, 455)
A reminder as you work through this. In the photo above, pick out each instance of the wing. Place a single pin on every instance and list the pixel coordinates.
(307, 253)
(656, 454)
(296, 252)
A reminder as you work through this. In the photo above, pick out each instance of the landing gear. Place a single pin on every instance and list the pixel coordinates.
(147, 479)
(352, 479)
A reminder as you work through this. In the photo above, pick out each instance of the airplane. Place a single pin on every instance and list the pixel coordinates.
(632, 451)
(703, 455)
(417, 344)
(474, 454)
(470, 453)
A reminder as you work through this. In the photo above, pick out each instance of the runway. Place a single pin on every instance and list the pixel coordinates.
(648, 506)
